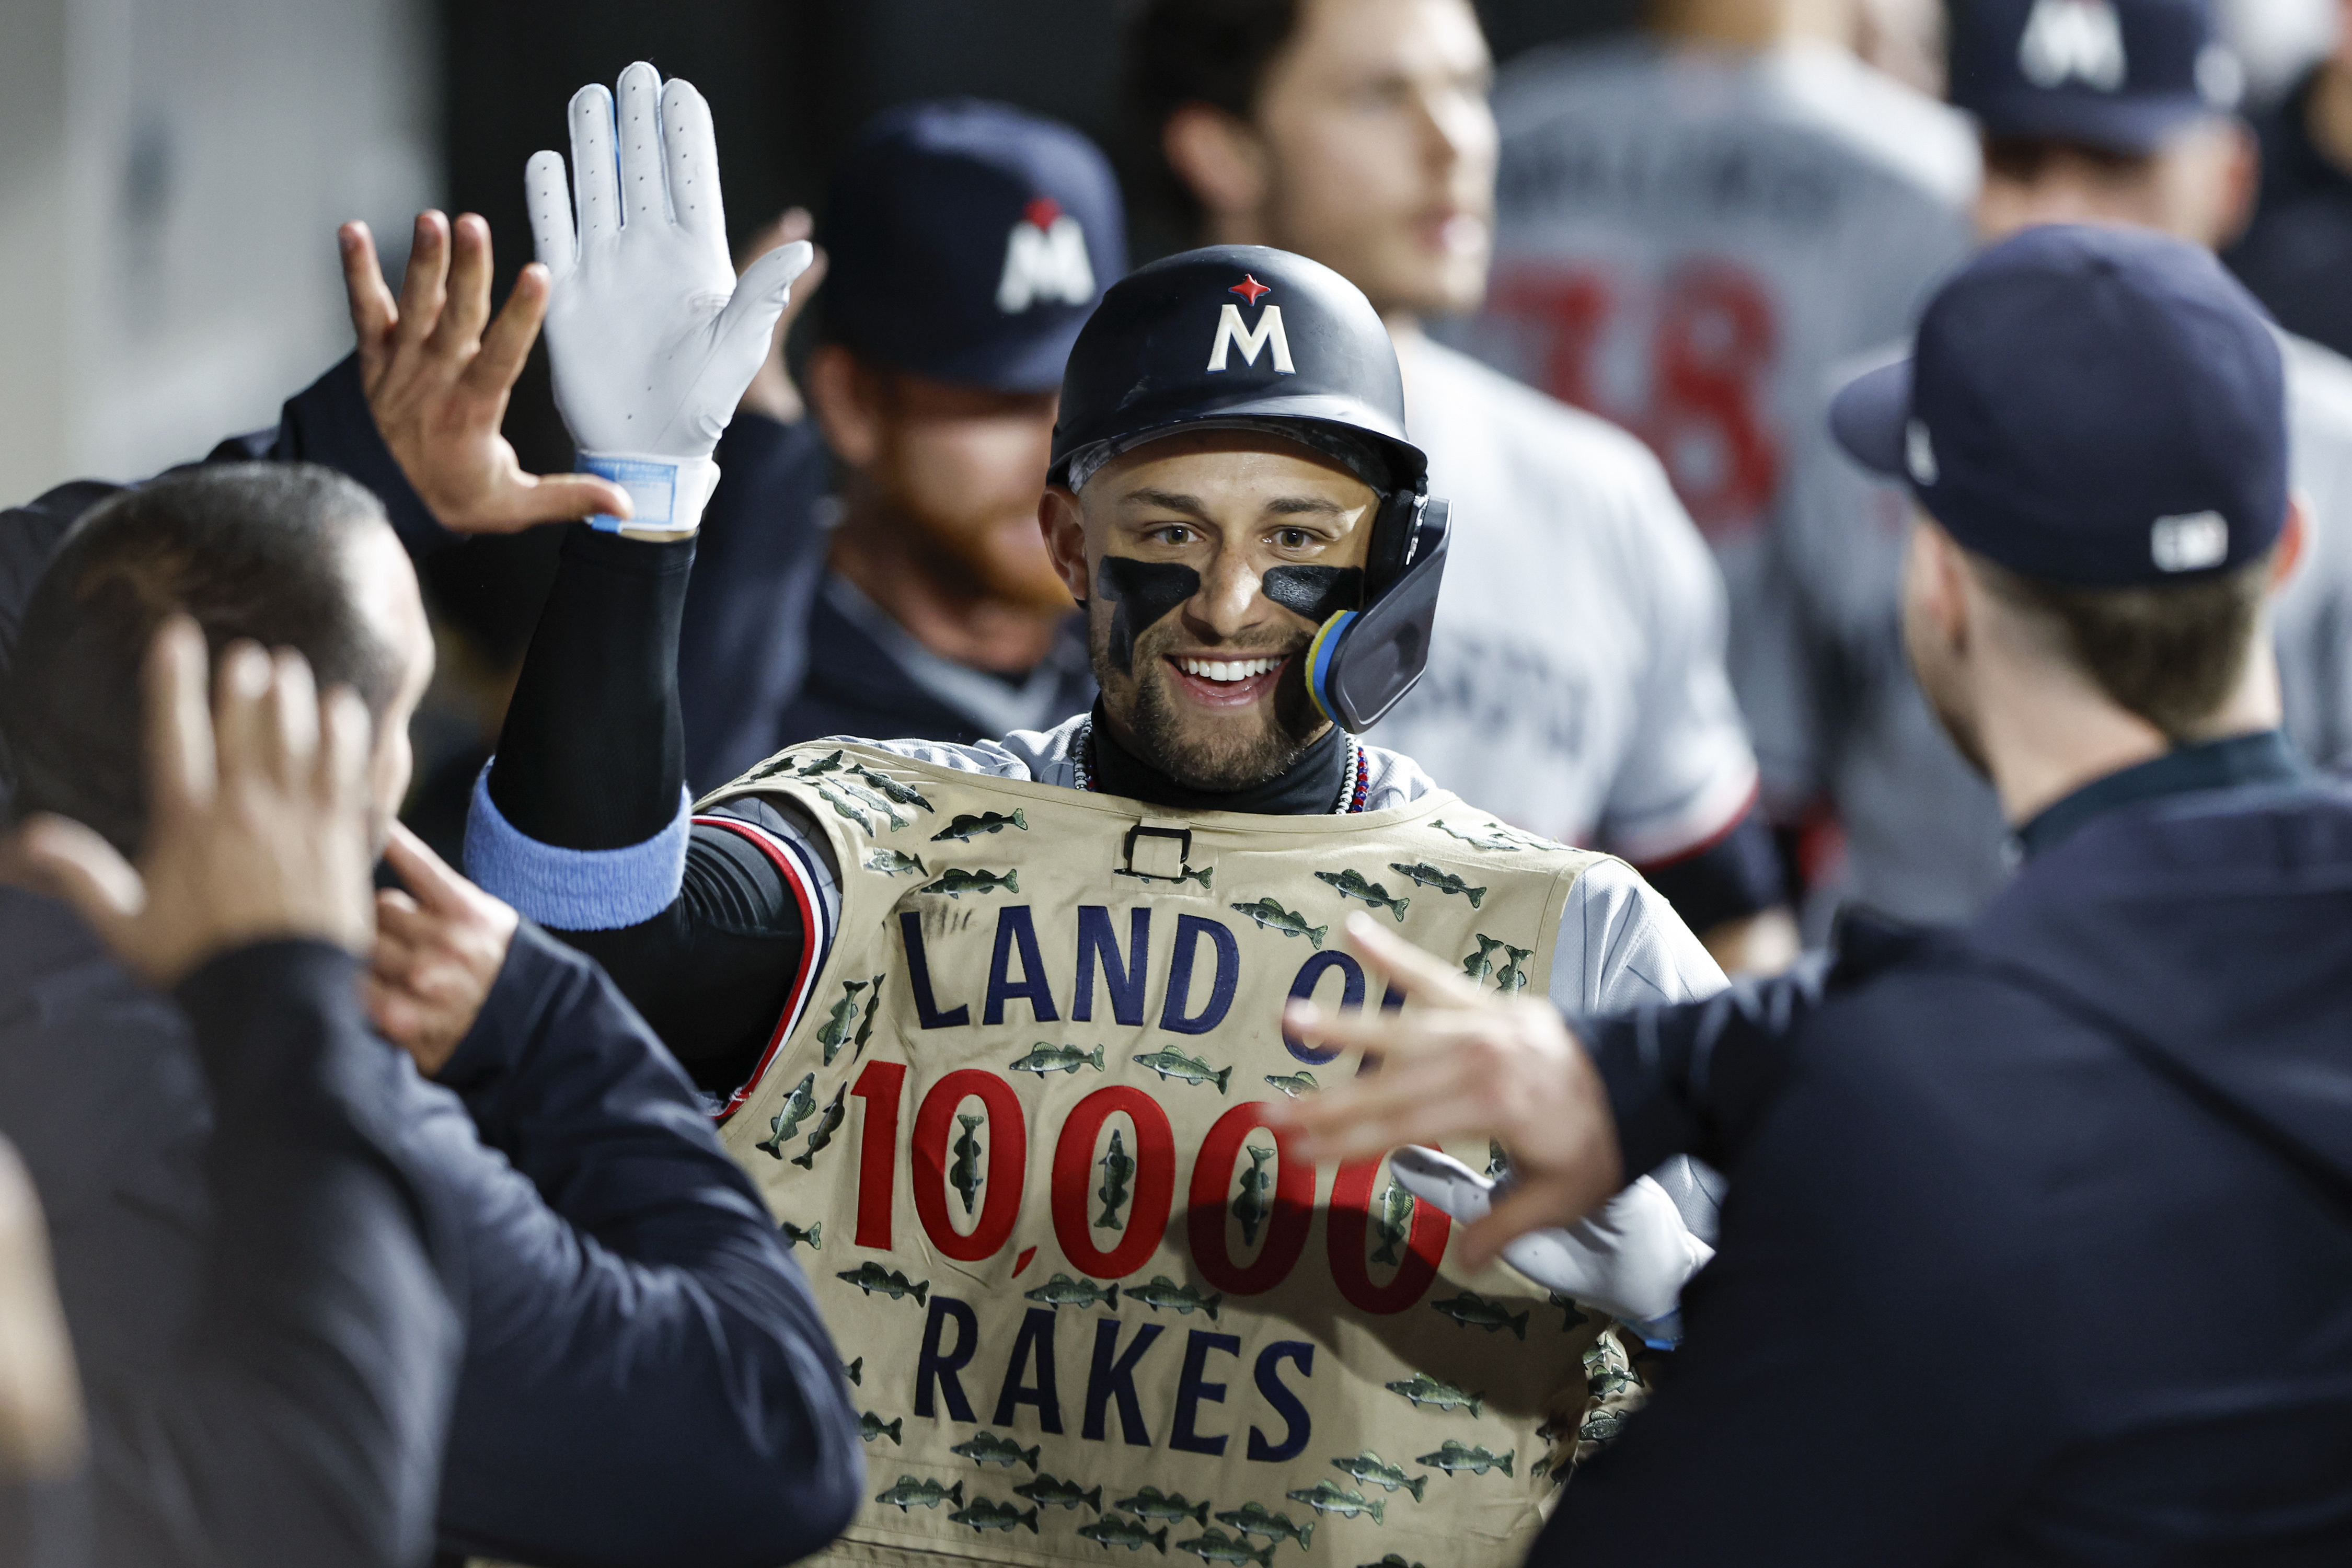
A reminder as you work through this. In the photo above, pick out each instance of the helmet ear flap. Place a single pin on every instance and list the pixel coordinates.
(1394, 535)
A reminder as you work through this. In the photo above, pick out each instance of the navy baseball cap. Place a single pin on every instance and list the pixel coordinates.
(969, 242)
(2098, 408)
(2121, 75)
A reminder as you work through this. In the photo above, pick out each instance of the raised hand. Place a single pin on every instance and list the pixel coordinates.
(438, 949)
(772, 391)
(1459, 1062)
(437, 371)
(651, 335)
(257, 817)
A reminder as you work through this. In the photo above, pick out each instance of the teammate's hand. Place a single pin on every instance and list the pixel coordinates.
(438, 949)
(437, 371)
(771, 392)
(1463, 1063)
(651, 335)
(41, 1431)
(257, 817)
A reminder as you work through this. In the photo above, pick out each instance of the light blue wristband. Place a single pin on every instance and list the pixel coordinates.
(574, 889)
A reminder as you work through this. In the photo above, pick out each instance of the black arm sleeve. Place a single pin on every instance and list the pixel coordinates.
(592, 758)
(304, 1422)
(1737, 876)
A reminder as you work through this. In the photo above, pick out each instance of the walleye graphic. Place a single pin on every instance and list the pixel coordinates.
(836, 1112)
(797, 1107)
(1152, 1503)
(870, 1276)
(1174, 1063)
(1048, 1492)
(964, 1174)
(890, 862)
(900, 792)
(1254, 1519)
(1330, 1497)
(834, 1034)
(1062, 1291)
(1216, 1546)
(1423, 1389)
(1116, 1167)
(1456, 1456)
(1044, 1059)
(986, 1513)
(1113, 1530)
(987, 1448)
(1352, 884)
(1393, 1224)
(871, 1427)
(966, 825)
(1272, 916)
(1480, 965)
(794, 1235)
(1444, 881)
(1250, 1206)
(1368, 1469)
(865, 1024)
(1476, 1312)
(955, 883)
(1513, 976)
(1297, 1083)
(1165, 1292)
(910, 1493)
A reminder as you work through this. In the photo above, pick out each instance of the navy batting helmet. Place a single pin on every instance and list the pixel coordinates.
(1249, 337)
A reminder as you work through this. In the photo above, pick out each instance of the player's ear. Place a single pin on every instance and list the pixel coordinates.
(1063, 523)
(2294, 537)
(846, 396)
(2240, 185)
(1223, 161)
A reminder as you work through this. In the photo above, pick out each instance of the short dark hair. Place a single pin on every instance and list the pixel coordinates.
(2171, 652)
(250, 550)
(1195, 51)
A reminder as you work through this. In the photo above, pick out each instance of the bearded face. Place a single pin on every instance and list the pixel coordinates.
(1211, 560)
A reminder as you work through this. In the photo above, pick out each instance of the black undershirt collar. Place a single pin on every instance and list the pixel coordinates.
(1309, 787)
(2265, 758)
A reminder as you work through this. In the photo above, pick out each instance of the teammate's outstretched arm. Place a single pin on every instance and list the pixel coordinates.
(580, 822)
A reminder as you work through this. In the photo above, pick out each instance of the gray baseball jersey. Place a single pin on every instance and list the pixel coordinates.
(1925, 838)
(1687, 241)
(1576, 684)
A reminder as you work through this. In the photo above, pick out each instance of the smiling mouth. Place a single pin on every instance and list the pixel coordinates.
(1227, 682)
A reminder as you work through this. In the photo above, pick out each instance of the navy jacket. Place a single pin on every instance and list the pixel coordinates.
(267, 1321)
(765, 659)
(646, 1379)
(2071, 1189)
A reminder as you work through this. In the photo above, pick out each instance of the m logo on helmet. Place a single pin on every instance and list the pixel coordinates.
(1045, 259)
(1232, 334)
(2074, 40)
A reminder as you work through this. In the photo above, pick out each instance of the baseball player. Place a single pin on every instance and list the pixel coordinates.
(2107, 111)
(1692, 228)
(1001, 1022)
(1576, 665)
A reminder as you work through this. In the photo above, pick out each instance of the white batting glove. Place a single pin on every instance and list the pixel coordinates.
(1630, 1258)
(651, 336)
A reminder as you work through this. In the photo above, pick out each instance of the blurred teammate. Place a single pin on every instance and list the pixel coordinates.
(872, 566)
(2297, 245)
(991, 1013)
(2122, 117)
(1692, 228)
(1576, 670)
(2076, 1174)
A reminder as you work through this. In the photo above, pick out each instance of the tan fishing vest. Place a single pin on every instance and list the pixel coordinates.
(1088, 1303)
